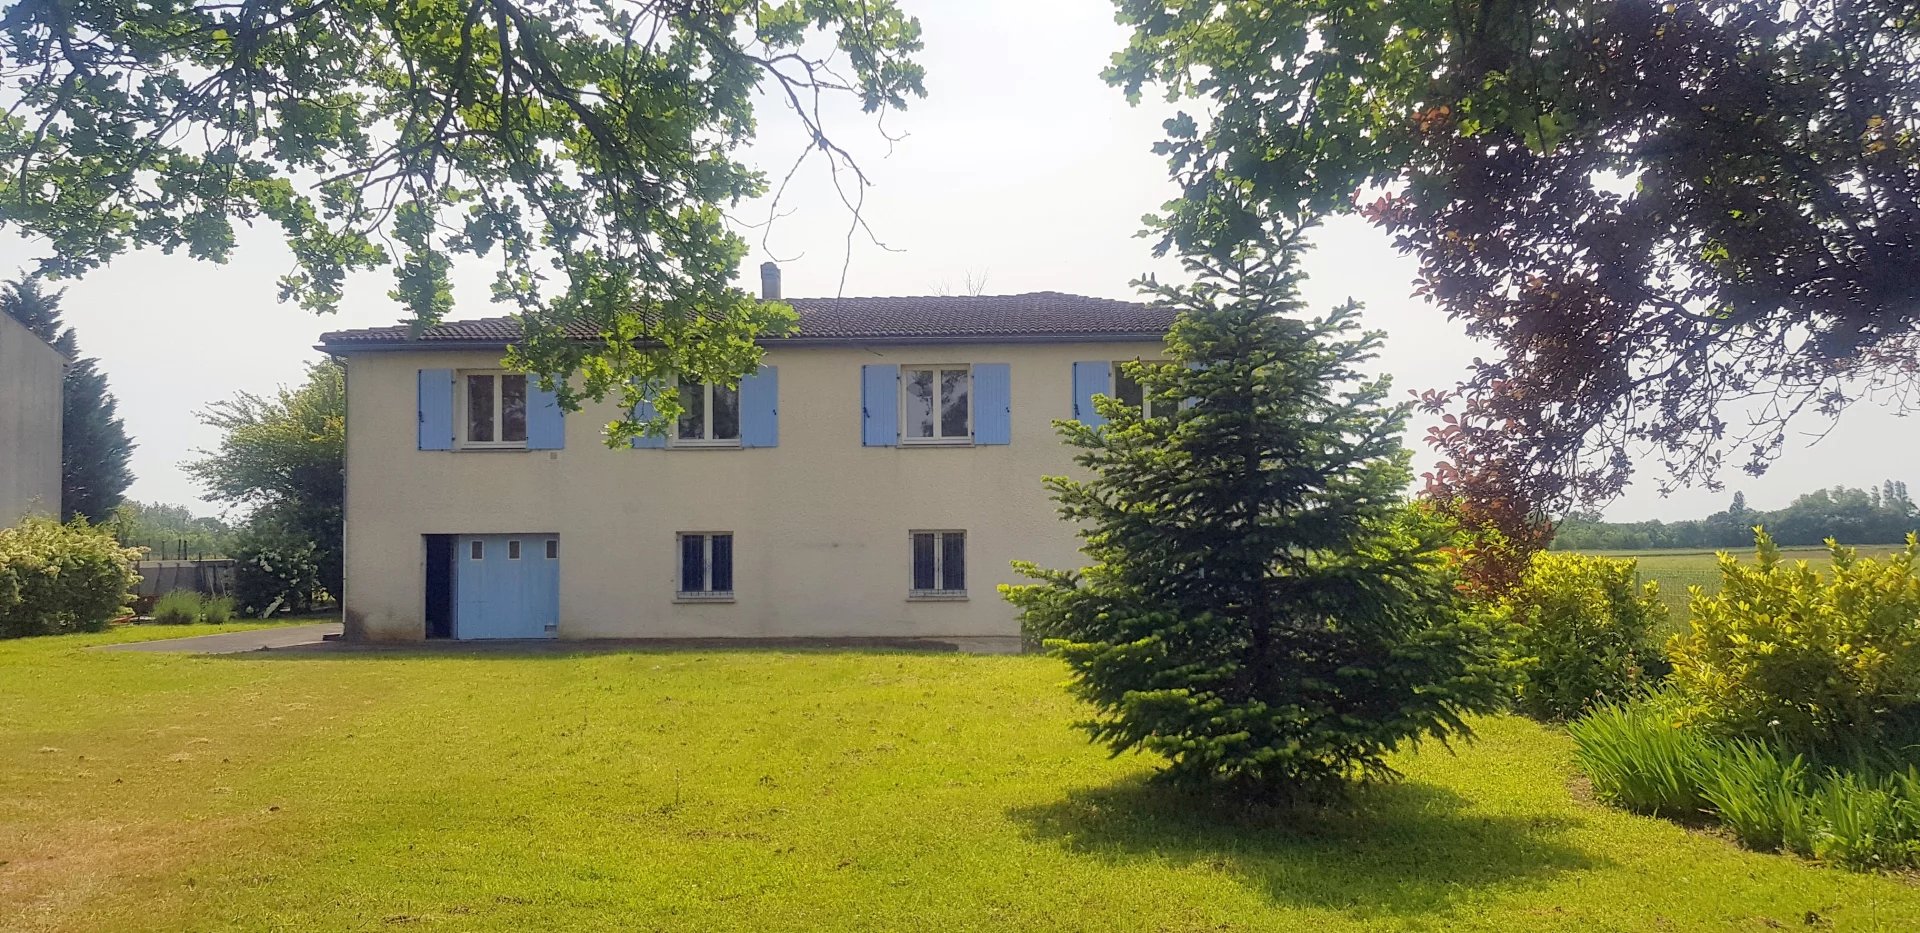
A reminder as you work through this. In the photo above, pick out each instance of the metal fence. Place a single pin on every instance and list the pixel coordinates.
(212, 577)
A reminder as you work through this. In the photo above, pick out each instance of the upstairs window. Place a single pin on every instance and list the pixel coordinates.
(706, 565)
(494, 409)
(709, 416)
(1130, 392)
(939, 561)
(936, 404)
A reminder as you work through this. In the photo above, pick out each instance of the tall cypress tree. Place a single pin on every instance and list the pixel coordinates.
(94, 447)
(1263, 606)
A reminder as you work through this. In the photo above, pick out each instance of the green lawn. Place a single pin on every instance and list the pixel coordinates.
(773, 790)
(1677, 570)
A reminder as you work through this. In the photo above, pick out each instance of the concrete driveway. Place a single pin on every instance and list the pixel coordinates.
(286, 636)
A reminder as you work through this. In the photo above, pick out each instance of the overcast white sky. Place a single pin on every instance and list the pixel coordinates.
(1021, 165)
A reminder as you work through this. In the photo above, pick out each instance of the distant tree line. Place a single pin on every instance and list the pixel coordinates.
(1878, 515)
(170, 531)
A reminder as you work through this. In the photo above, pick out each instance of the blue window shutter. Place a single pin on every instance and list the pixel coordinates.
(1090, 379)
(644, 412)
(546, 423)
(879, 405)
(435, 409)
(992, 403)
(760, 408)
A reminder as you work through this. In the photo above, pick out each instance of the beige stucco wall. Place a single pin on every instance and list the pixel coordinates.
(820, 523)
(31, 373)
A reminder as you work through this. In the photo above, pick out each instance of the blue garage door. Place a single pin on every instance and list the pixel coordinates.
(506, 586)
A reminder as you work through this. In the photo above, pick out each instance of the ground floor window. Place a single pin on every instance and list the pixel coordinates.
(706, 565)
(939, 563)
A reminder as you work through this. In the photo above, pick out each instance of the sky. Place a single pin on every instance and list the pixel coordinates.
(1021, 167)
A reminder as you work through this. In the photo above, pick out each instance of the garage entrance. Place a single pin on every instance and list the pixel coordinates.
(495, 586)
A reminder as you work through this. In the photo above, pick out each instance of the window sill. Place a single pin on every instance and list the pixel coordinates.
(703, 445)
(703, 597)
(937, 442)
(937, 596)
(489, 448)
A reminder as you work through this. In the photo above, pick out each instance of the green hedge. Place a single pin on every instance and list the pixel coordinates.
(1825, 663)
(57, 578)
(1582, 633)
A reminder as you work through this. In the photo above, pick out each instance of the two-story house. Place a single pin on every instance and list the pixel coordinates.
(875, 478)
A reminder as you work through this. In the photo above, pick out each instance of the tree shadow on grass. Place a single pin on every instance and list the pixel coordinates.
(1398, 850)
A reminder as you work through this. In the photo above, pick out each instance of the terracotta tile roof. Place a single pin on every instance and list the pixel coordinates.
(1033, 316)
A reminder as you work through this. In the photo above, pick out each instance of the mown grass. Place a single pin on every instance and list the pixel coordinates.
(1677, 570)
(774, 790)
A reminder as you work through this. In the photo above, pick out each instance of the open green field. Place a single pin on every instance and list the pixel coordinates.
(758, 790)
(1675, 571)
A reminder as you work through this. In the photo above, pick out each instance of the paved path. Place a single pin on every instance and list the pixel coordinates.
(285, 636)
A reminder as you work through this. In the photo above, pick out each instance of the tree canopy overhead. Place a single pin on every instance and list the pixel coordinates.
(585, 148)
(1662, 214)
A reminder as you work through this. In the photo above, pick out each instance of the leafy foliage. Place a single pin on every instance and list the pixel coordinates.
(1262, 608)
(57, 578)
(1583, 629)
(285, 456)
(94, 447)
(587, 148)
(1819, 662)
(276, 568)
(1649, 208)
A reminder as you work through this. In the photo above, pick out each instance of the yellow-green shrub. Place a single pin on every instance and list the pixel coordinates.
(1582, 631)
(1816, 661)
(58, 578)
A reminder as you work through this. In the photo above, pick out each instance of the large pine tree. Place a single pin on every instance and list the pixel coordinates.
(1263, 606)
(94, 447)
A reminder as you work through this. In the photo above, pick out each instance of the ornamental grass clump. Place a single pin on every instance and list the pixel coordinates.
(1639, 760)
(1262, 608)
(179, 607)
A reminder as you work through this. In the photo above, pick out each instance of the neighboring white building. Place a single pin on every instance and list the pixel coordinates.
(874, 479)
(31, 377)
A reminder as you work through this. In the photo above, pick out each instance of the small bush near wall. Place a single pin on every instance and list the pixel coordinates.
(180, 607)
(1582, 630)
(57, 578)
(1827, 664)
(183, 607)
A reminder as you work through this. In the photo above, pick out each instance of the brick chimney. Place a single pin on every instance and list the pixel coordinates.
(770, 281)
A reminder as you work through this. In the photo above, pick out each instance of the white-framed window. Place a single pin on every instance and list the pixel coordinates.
(706, 565)
(1130, 392)
(937, 564)
(493, 409)
(709, 416)
(936, 404)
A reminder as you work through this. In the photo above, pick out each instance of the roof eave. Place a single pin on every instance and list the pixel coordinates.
(354, 346)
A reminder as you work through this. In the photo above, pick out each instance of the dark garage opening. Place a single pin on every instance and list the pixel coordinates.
(439, 586)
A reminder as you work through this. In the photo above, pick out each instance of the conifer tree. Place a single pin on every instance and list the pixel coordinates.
(1263, 607)
(94, 447)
